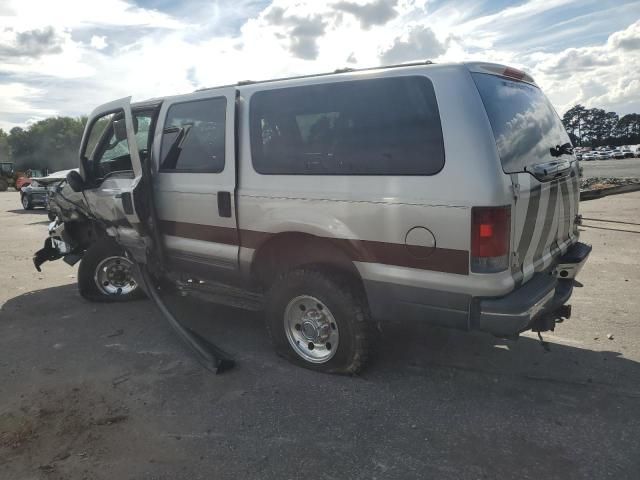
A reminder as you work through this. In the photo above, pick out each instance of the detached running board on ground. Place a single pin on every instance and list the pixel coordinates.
(209, 356)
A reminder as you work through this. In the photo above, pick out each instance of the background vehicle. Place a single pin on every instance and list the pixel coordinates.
(33, 195)
(618, 154)
(589, 156)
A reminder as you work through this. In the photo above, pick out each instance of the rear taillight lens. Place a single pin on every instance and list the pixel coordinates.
(490, 234)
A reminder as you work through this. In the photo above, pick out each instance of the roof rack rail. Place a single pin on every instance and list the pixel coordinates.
(337, 71)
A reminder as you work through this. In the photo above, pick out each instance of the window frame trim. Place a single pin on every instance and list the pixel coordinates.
(328, 174)
(194, 170)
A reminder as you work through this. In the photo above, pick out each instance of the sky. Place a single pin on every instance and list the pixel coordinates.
(65, 57)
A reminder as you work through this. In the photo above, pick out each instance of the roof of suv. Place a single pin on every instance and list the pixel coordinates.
(479, 67)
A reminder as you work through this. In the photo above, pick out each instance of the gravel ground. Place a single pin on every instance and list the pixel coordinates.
(107, 391)
(627, 167)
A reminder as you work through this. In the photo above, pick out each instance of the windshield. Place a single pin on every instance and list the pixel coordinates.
(524, 123)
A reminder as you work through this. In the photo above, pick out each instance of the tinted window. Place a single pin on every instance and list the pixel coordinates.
(193, 139)
(524, 123)
(388, 126)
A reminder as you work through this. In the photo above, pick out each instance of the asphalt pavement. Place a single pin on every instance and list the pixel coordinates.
(104, 391)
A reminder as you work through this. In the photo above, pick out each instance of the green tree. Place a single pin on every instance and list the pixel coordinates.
(573, 120)
(4, 146)
(50, 143)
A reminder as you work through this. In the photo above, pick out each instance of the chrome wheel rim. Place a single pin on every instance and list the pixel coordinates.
(114, 276)
(311, 329)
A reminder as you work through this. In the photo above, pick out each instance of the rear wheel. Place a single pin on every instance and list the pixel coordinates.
(319, 321)
(26, 202)
(4, 185)
(106, 274)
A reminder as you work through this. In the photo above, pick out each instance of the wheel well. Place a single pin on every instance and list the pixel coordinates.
(286, 251)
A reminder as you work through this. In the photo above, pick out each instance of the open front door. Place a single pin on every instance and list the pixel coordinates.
(114, 148)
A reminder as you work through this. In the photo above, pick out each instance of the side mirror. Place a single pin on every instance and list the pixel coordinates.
(75, 181)
(120, 130)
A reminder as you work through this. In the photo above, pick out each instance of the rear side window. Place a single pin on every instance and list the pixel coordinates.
(193, 138)
(524, 123)
(386, 126)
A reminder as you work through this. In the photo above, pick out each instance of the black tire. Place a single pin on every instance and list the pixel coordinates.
(347, 306)
(4, 185)
(87, 283)
(51, 215)
(26, 202)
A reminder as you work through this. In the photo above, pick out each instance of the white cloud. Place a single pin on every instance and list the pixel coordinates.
(16, 100)
(603, 76)
(99, 42)
(419, 43)
(74, 56)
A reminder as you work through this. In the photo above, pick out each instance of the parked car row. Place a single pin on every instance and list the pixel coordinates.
(607, 154)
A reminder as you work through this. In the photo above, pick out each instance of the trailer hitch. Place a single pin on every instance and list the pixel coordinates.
(208, 355)
(547, 322)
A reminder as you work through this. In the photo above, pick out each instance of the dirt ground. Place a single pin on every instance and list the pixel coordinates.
(102, 391)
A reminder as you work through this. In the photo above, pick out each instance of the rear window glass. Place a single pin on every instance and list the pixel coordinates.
(388, 126)
(524, 123)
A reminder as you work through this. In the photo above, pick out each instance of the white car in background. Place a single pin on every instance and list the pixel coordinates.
(587, 156)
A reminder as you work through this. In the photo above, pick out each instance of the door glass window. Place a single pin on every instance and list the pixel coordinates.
(108, 147)
(193, 139)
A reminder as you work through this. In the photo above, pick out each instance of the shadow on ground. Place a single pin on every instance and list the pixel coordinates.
(22, 211)
(108, 389)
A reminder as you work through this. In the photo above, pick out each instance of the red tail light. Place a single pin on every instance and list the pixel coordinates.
(490, 235)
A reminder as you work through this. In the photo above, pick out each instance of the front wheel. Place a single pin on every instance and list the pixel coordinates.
(106, 274)
(26, 202)
(319, 321)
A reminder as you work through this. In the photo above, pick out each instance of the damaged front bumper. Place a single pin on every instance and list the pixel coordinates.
(57, 245)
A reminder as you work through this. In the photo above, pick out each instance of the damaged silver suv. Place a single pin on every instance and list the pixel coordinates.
(445, 193)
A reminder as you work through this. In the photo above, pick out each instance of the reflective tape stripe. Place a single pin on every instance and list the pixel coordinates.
(547, 220)
(530, 257)
(529, 224)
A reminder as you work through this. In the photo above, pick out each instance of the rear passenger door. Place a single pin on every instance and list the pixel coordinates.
(196, 180)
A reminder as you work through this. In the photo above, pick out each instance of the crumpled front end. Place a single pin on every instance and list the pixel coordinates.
(58, 245)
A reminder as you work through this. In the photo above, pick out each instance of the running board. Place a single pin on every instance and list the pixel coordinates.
(220, 293)
(209, 356)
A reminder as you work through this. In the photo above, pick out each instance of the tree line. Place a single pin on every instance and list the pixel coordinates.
(50, 143)
(595, 127)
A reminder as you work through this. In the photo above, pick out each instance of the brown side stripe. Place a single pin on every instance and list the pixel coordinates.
(207, 233)
(424, 258)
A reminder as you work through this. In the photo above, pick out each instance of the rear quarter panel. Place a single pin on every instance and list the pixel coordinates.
(385, 208)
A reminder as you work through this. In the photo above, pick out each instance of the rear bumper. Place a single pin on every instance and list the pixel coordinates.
(541, 296)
